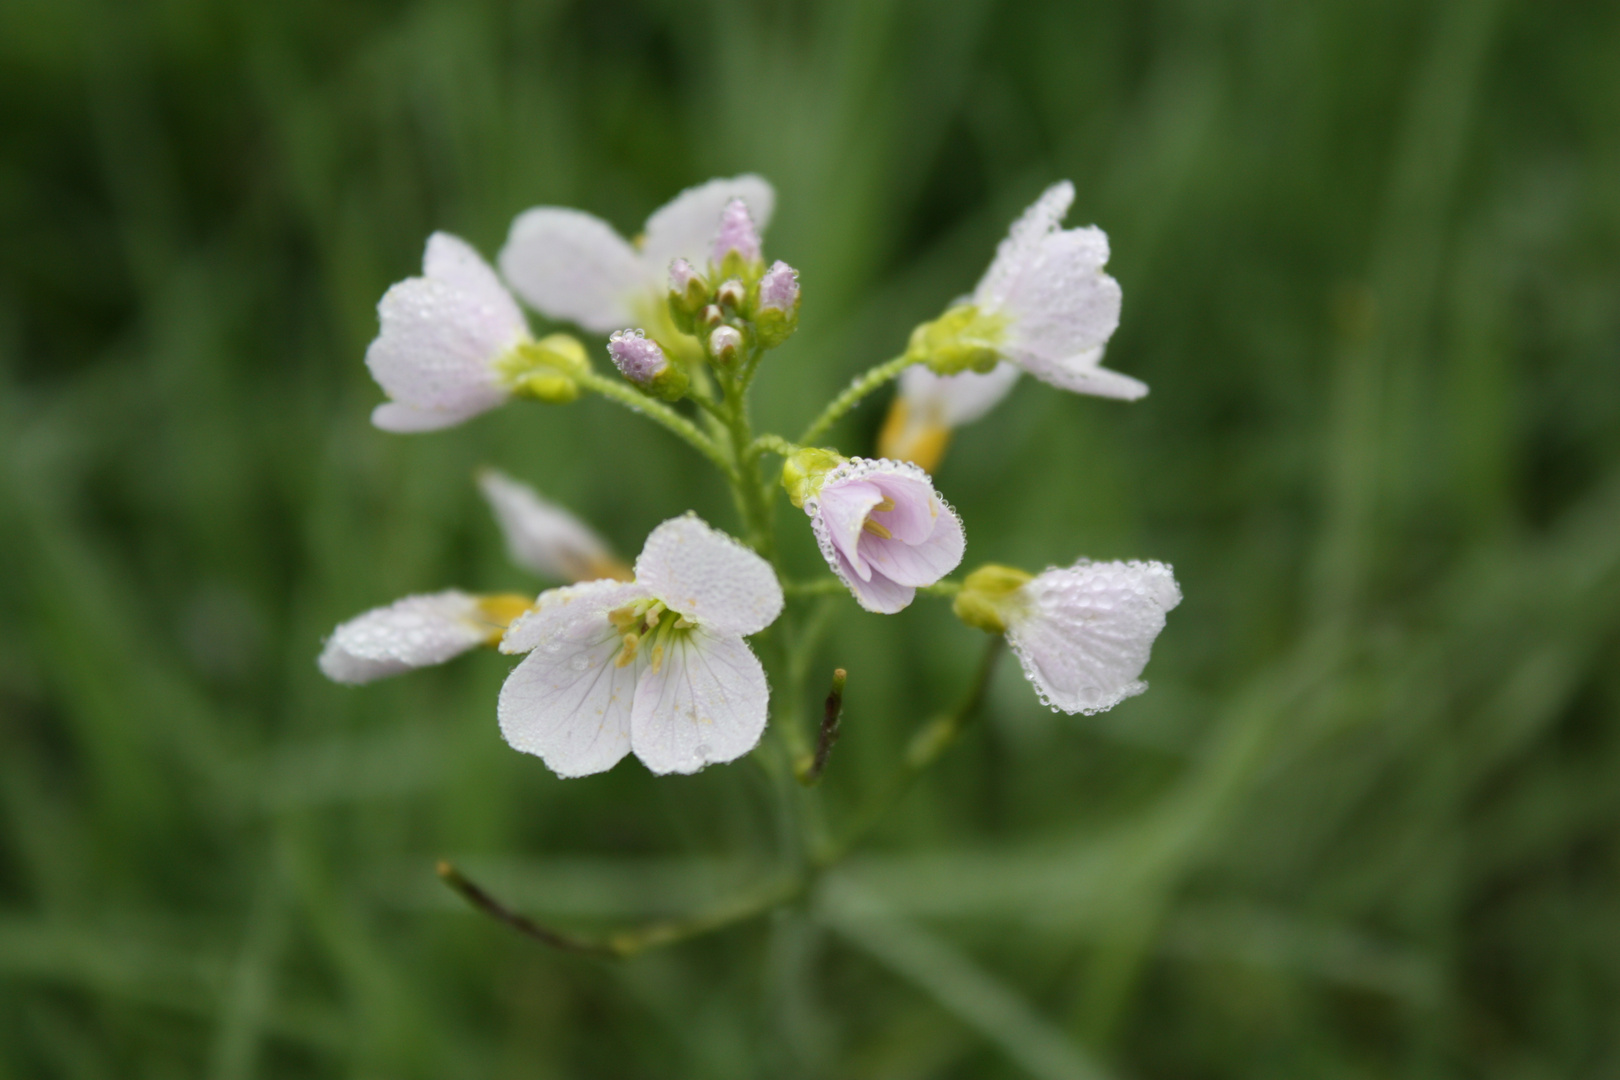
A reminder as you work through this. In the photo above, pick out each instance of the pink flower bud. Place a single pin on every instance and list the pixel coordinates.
(724, 343)
(779, 288)
(737, 234)
(637, 356)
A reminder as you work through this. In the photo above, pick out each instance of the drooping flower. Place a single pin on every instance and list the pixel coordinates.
(453, 344)
(1044, 304)
(882, 527)
(572, 266)
(657, 666)
(1083, 633)
(415, 632)
(543, 537)
(929, 407)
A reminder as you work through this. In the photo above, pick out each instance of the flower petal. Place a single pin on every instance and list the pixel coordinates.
(1064, 304)
(417, 631)
(684, 227)
(570, 265)
(1020, 249)
(452, 260)
(1082, 374)
(838, 515)
(542, 536)
(434, 349)
(921, 563)
(709, 577)
(1084, 634)
(954, 400)
(875, 592)
(569, 702)
(406, 420)
(705, 704)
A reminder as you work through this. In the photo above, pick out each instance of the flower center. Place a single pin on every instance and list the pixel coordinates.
(641, 620)
(875, 528)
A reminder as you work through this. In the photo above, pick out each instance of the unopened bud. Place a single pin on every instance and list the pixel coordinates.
(711, 316)
(737, 240)
(776, 315)
(731, 293)
(724, 344)
(688, 293)
(642, 361)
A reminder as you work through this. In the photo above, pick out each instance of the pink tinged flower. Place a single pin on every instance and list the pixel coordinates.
(779, 288)
(441, 335)
(572, 266)
(637, 356)
(737, 234)
(1083, 633)
(1061, 308)
(415, 632)
(543, 537)
(681, 276)
(656, 666)
(884, 531)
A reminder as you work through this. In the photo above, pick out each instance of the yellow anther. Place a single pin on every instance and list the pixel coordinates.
(628, 653)
(501, 610)
(884, 507)
(657, 658)
(876, 530)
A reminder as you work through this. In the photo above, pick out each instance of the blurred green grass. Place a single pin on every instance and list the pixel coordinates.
(1363, 825)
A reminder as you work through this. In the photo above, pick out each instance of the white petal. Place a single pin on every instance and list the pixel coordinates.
(709, 577)
(1085, 633)
(569, 702)
(954, 400)
(1082, 374)
(684, 227)
(874, 592)
(705, 704)
(455, 262)
(1015, 254)
(571, 266)
(435, 348)
(417, 631)
(405, 420)
(542, 536)
(922, 563)
(1064, 304)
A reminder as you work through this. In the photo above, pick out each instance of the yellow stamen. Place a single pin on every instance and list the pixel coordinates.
(657, 658)
(501, 610)
(884, 507)
(628, 653)
(876, 530)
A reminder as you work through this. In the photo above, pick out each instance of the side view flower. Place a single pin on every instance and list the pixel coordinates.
(657, 665)
(543, 537)
(453, 344)
(572, 266)
(1044, 304)
(882, 527)
(417, 631)
(1083, 633)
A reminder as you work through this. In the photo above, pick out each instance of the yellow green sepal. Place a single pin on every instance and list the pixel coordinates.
(963, 339)
(805, 470)
(546, 370)
(989, 595)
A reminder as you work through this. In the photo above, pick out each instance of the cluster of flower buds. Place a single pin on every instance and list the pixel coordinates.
(651, 660)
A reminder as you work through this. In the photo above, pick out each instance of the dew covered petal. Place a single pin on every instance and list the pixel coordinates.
(706, 704)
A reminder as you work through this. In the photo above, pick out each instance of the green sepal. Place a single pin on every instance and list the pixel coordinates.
(988, 596)
(545, 370)
(805, 470)
(962, 339)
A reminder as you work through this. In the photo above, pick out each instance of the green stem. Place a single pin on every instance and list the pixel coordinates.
(864, 384)
(659, 413)
(826, 586)
(773, 444)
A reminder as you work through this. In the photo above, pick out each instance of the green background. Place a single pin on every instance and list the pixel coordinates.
(1362, 825)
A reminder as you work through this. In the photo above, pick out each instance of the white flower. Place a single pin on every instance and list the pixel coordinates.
(572, 266)
(449, 343)
(657, 666)
(415, 632)
(928, 407)
(543, 537)
(883, 529)
(1044, 304)
(1082, 633)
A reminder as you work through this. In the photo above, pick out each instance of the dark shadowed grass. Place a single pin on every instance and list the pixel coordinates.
(1363, 825)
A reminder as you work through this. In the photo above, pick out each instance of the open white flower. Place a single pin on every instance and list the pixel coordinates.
(929, 407)
(572, 266)
(657, 665)
(882, 527)
(1082, 633)
(1044, 304)
(543, 537)
(415, 632)
(453, 344)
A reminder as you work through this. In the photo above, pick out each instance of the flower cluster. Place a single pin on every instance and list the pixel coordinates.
(653, 659)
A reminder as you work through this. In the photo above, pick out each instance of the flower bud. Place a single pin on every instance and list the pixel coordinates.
(724, 344)
(987, 596)
(545, 370)
(711, 316)
(688, 293)
(731, 293)
(803, 472)
(642, 361)
(776, 315)
(737, 244)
